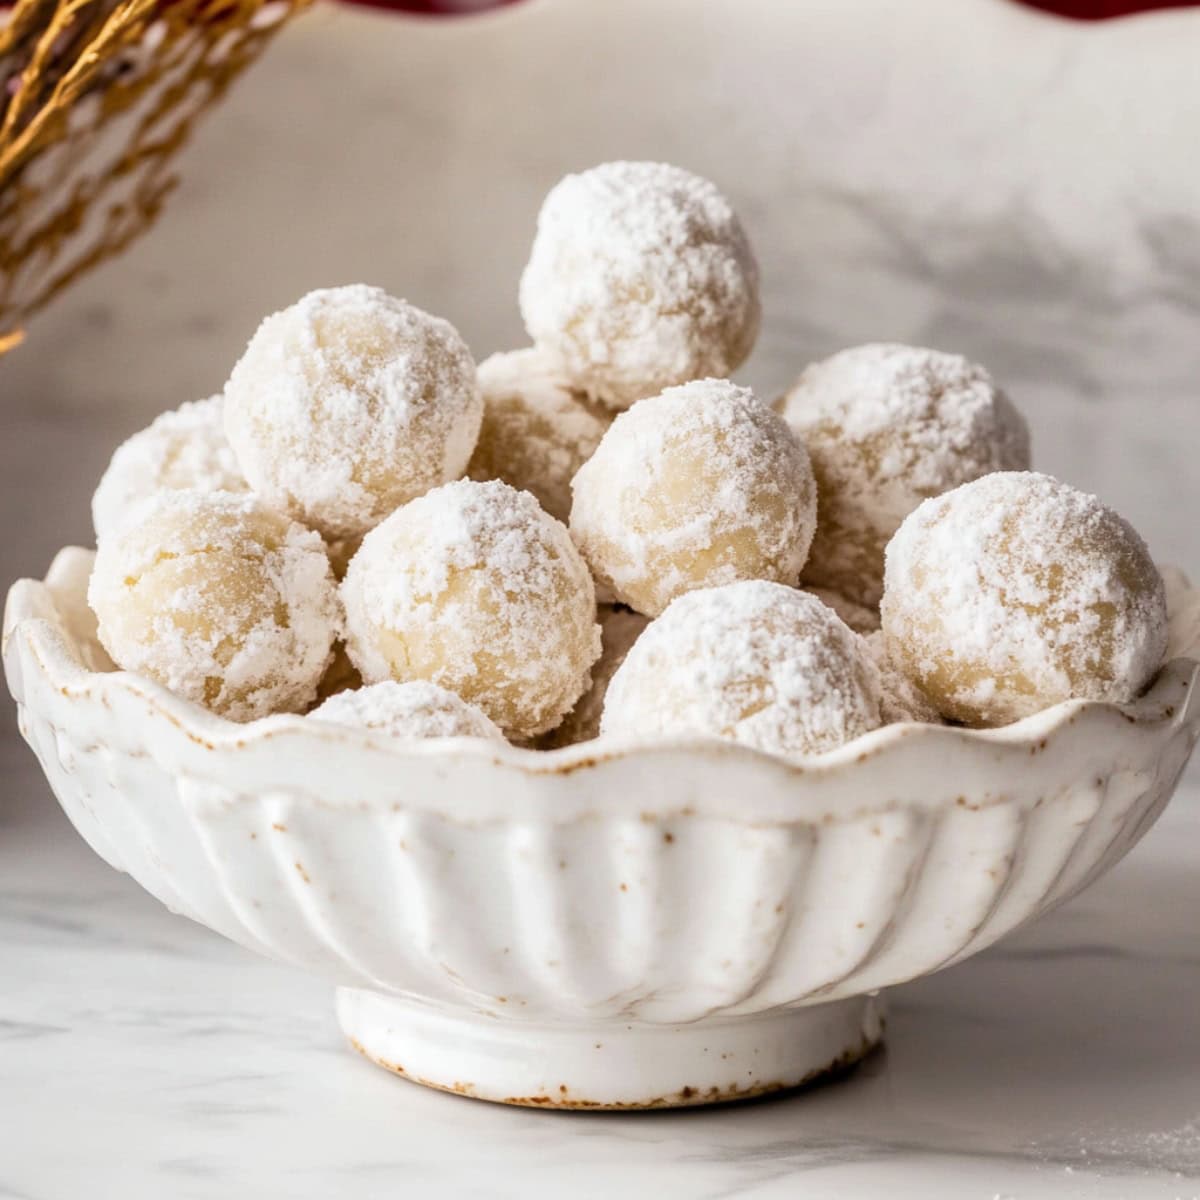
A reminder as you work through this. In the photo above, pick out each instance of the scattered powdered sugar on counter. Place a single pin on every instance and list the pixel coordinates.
(410, 711)
(758, 663)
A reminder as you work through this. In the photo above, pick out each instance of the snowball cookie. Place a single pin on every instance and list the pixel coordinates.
(640, 277)
(861, 619)
(184, 448)
(473, 587)
(350, 403)
(411, 711)
(886, 427)
(700, 486)
(759, 663)
(219, 599)
(619, 629)
(536, 431)
(1012, 593)
(899, 698)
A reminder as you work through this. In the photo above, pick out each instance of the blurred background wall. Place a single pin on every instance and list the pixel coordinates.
(966, 174)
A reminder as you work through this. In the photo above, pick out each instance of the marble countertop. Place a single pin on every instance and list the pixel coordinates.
(936, 179)
(142, 1056)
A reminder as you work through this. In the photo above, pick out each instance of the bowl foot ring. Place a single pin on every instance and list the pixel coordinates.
(610, 1065)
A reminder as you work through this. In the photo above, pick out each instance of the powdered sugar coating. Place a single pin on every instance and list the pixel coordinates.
(473, 587)
(698, 487)
(183, 448)
(640, 277)
(219, 599)
(410, 711)
(887, 426)
(860, 618)
(1015, 592)
(899, 698)
(758, 663)
(536, 431)
(348, 404)
(619, 629)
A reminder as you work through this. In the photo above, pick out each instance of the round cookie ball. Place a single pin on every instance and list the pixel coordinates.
(640, 277)
(698, 487)
(411, 711)
(219, 599)
(886, 427)
(758, 663)
(899, 698)
(183, 448)
(536, 431)
(350, 403)
(1015, 592)
(473, 587)
(619, 629)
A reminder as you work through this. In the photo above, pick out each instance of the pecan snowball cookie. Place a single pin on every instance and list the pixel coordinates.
(1015, 592)
(758, 663)
(473, 587)
(640, 277)
(536, 431)
(886, 427)
(350, 403)
(700, 486)
(181, 449)
(219, 599)
(409, 711)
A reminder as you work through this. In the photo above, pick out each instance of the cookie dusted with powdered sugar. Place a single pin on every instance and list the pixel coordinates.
(537, 431)
(1016, 592)
(219, 599)
(698, 487)
(757, 663)
(473, 587)
(409, 711)
(185, 448)
(640, 277)
(350, 403)
(887, 426)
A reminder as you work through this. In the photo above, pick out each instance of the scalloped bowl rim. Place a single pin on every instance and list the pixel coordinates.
(1158, 709)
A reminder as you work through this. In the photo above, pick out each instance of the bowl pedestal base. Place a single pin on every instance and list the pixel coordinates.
(611, 1064)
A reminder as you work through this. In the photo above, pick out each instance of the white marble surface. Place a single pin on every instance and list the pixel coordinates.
(143, 1057)
(973, 177)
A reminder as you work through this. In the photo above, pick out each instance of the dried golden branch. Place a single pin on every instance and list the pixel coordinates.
(98, 98)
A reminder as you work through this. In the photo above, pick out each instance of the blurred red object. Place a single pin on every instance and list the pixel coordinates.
(1102, 10)
(1079, 10)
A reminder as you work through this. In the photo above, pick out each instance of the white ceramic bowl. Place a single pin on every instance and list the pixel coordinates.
(610, 924)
